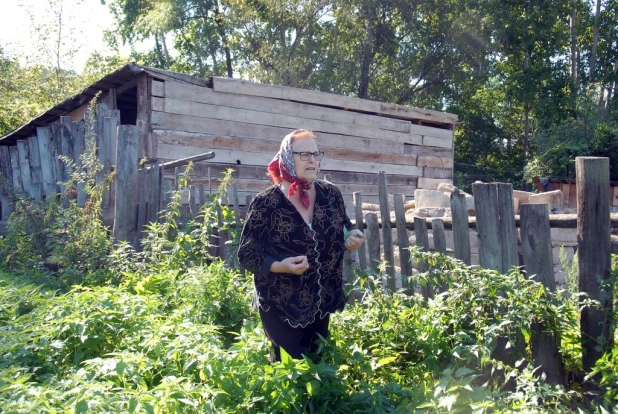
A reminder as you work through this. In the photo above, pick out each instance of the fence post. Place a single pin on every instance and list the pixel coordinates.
(24, 166)
(360, 224)
(6, 183)
(236, 220)
(101, 111)
(194, 195)
(402, 240)
(439, 244)
(439, 238)
(66, 145)
(142, 204)
(155, 193)
(347, 273)
(201, 194)
(47, 161)
(209, 183)
(387, 238)
(461, 227)
(55, 147)
(78, 130)
(594, 254)
(422, 241)
(177, 178)
(168, 193)
(125, 211)
(495, 223)
(373, 241)
(17, 181)
(161, 200)
(35, 168)
(193, 201)
(221, 234)
(535, 235)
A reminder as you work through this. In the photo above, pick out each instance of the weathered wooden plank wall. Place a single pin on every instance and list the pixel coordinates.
(33, 168)
(245, 122)
(6, 183)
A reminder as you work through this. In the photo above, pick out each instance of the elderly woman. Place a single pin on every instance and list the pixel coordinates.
(293, 242)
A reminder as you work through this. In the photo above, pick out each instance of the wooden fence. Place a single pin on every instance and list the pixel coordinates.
(33, 167)
(497, 229)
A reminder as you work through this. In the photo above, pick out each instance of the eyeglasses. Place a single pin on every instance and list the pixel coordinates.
(306, 156)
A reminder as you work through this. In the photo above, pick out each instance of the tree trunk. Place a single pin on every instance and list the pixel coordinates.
(574, 82)
(526, 112)
(611, 76)
(612, 92)
(595, 43)
(224, 40)
(368, 50)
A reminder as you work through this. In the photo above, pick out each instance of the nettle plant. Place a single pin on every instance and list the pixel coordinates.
(58, 237)
(174, 244)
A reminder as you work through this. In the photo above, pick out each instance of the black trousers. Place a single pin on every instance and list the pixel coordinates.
(295, 341)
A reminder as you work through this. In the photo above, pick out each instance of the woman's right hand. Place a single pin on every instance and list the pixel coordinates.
(294, 265)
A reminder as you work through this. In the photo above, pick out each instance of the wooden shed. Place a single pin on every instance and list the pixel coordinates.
(243, 123)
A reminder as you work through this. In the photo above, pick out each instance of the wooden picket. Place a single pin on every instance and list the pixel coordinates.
(386, 231)
(594, 253)
(536, 248)
(461, 227)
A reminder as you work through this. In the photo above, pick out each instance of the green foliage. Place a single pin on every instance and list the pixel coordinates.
(592, 131)
(170, 328)
(58, 238)
(62, 242)
(186, 340)
(176, 244)
(26, 92)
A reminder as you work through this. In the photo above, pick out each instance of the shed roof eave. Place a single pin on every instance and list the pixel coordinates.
(115, 79)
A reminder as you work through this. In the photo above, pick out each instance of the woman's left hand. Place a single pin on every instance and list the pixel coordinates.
(355, 240)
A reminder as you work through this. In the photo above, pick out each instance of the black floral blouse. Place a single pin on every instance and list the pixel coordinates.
(274, 230)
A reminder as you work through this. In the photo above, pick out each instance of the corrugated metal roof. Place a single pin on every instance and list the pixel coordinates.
(114, 80)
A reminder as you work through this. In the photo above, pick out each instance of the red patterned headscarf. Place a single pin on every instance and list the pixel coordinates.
(282, 168)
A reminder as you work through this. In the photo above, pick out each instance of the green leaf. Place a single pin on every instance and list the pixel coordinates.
(81, 407)
(447, 401)
(463, 371)
(192, 403)
(387, 360)
(312, 387)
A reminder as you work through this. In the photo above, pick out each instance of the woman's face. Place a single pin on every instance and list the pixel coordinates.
(306, 170)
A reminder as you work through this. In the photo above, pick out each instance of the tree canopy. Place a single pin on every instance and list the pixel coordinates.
(533, 83)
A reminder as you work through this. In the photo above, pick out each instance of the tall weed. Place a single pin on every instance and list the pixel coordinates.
(57, 238)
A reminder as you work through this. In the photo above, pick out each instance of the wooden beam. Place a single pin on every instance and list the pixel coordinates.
(262, 159)
(272, 146)
(243, 87)
(182, 162)
(191, 124)
(208, 111)
(194, 93)
(126, 87)
(148, 145)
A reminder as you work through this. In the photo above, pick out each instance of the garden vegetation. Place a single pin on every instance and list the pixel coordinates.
(87, 325)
